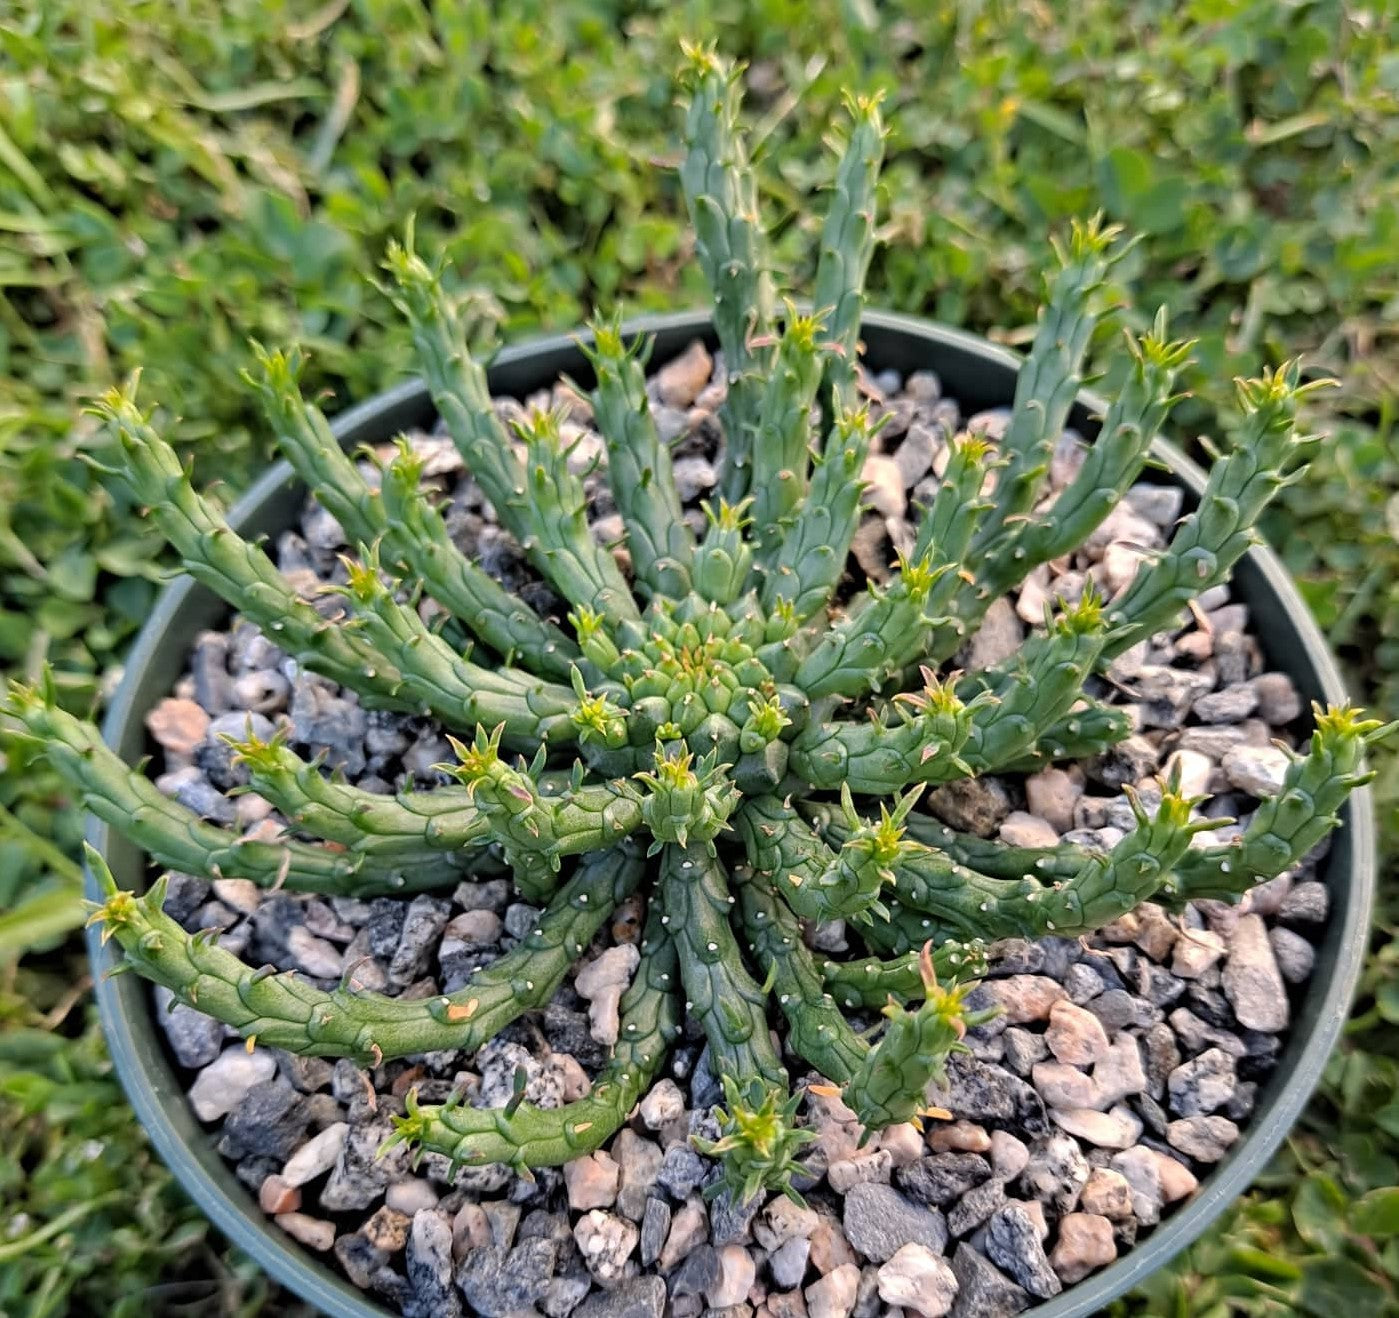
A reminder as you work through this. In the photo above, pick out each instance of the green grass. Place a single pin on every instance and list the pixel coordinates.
(177, 178)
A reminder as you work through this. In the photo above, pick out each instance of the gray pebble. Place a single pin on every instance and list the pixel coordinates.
(429, 1262)
(1203, 1084)
(1294, 955)
(1013, 1243)
(496, 1281)
(879, 1221)
(655, 1226)
(938, 1179)
(194, 1038)
(983, 1290)
(641, 1297)
(1056, 1172)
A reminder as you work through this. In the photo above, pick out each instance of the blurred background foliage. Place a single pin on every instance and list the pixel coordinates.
(178, 177)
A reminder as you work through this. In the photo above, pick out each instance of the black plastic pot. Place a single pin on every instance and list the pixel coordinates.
(978, 375)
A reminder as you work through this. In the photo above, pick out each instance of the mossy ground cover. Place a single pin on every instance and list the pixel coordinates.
(177, 179)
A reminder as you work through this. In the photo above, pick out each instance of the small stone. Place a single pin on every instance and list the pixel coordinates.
(1138, 1167)
(878, 1220)
(788, 1263)
(592, 1181)
(496, 1281)
(1013, 1243)
(178, 726)
(1195, 952)
(469, 932)
(319, 1154)
(1307, 903)
(834, 1295)
(606, 1242)
(884, 486)
(940, 1178)
(602, 982)
(829, 1247)
(872, 1165)
(698, 1271)
(195, 1039)
(641, 1297)
(680, 380)
(1206, 1139)
(312, 955)
(903, 1143)
(1177, 1180)
(1257, 770)
(1231, 705)
(471, 1229)
(1009, 1156)
(387, 1229)
(974, 1207)
(688, 1231)
(971, 805)
(736, 1275)
(1050, 795)
(1127, 761)
(1203, 1084)
(1167, 694)
(1085, 1244)
(730, 1219)
(781, 1221)
(429, 1263)
(958, 1137)
(1055, 1172)
(694, 477)
(655, 1226)
(1075, 1036)
(983, 1290)
(1117, 1129)
(640, 1162)
(411, 1195)
(1252, 981)
(275, 1196)
(682, 1171)
(918, 1281)
(1294, 955)
(1064, 1086)
(313, 1232)
(360, 1175)
(1107, 1194)
(1022, 829)
(359, 1258)
(1023, 1049)
(423, 922)
(1278, 701)
(663, 1104)
(1119, 1072)
(1025, 998)
(270, 1119)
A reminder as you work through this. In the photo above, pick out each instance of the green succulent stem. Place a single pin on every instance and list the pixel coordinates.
(1215, 536)
(847, 242)
(722, 199)
(639, 465)
(284, 1011)
(871, 981)
(719, 991)
(531, 1136)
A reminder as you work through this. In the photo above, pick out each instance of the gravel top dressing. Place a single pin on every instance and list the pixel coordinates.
(1119, 1069)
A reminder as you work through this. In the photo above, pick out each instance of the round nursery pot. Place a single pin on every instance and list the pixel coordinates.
(978, 375)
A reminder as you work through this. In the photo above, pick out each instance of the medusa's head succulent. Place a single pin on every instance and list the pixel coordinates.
(710, 729)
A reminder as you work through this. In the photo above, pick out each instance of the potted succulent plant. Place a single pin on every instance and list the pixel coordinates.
(710, 778)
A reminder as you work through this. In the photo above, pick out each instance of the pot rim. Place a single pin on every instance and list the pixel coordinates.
(152, 1086)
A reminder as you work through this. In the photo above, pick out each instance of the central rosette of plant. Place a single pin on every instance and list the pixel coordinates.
(729, 724)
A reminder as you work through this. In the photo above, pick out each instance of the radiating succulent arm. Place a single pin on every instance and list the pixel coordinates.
(809, 562)
(537, 831)
(720, 992)
(443, 683)
(638, 466)
(847, 243)
(409, 827)
(560, 541)
(722, 199)
(724, 558)
(532, 1136)
(425, 548)
(918, 737)
(240, 572)
(1112, 462)
(871, 981)
(284, 1011)
(400, 519)
(966, 904)
(884, 631)
(1031, 692)
(1089, 728)
(1048, 381)
(816, 1030)
(889, 1086)
(816, 882)
(999, 860)
(177, 838)
(1214, 537)
(780, 456)
(1286, 827)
